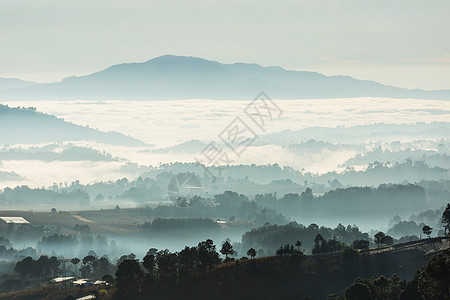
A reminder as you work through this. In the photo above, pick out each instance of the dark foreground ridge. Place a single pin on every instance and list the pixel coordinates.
(414, 270)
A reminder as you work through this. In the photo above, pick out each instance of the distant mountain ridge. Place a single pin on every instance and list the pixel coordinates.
(14, 83)
(27, 126)
(180, 77)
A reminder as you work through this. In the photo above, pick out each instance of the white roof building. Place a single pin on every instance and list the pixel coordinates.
(88, 297)
(62, 279)
(14, 220)
(80, 281)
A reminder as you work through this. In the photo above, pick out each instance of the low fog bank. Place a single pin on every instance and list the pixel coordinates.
(152, 186)
(120, 237)
(320, 154)
(166, 123)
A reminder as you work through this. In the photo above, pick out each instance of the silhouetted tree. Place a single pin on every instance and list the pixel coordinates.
(26, 267)
(318, 244)
(227, 249)
(89, 264)
(129, 279)
(298, 244)
(103, 267)
(122, 259)
(446, 219)
(207, 255)
(251, 252)
(387, 240)
(280, 251)
(288, 249)
(43, 266)
(55, 264)
(167, 268)
(149, 262)
(75, 261)
(433, 280)
(427, 230)
(130, 256)
(379, 238)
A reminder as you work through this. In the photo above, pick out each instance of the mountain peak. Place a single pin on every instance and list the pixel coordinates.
(177, 58)
(181, 62)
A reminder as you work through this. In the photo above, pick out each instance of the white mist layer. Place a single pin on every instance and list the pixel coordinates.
(166, 123)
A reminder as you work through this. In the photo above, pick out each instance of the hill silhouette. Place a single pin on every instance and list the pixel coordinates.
(180, 77)
(26, 125)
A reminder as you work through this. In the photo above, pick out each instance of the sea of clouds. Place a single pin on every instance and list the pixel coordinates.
(167, 123)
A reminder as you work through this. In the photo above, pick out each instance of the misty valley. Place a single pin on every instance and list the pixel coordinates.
(326, 212)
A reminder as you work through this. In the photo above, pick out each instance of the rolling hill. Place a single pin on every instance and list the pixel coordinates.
(26, 125)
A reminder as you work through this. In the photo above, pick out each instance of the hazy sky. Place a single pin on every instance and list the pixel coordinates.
(404, 43)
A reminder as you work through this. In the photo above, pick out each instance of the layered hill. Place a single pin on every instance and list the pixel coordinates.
(27, 126)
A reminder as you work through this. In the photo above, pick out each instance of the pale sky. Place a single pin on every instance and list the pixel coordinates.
(403, 43)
